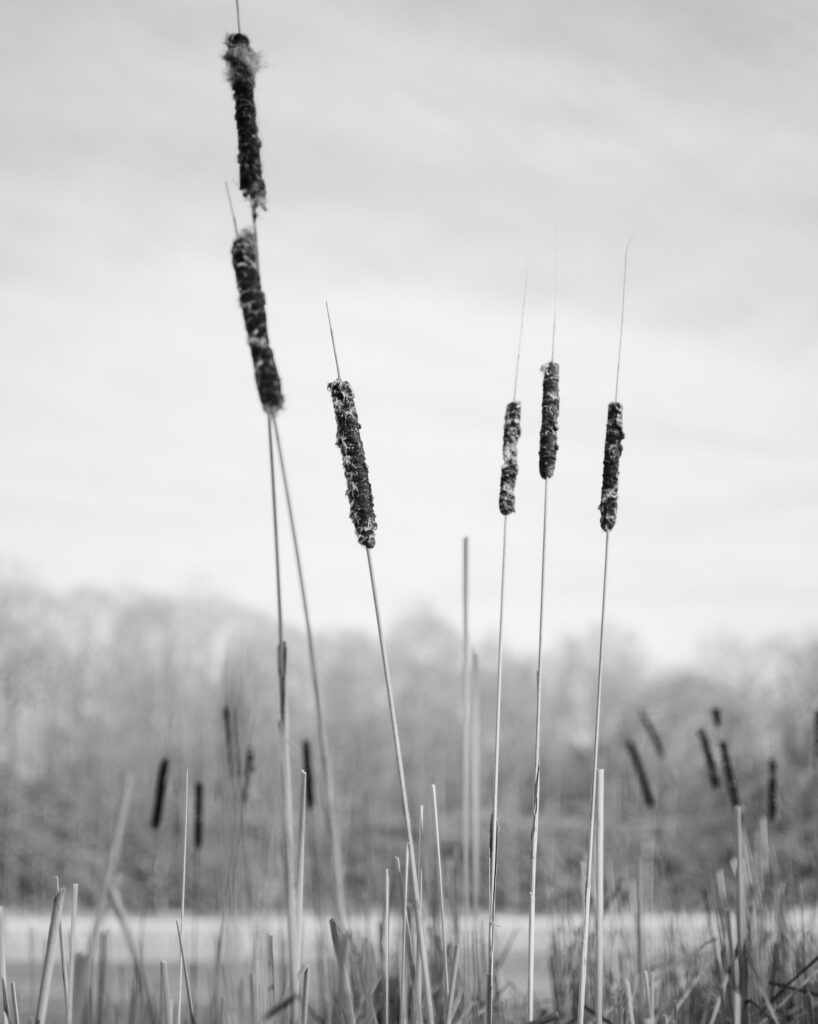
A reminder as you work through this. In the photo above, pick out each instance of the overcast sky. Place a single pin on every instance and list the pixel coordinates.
(418, 159)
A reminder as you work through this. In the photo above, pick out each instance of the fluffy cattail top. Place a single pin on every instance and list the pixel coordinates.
(614, 435)
(251, 297)
(348, 439)
(550, 419)
(508, 474)
(242, 64)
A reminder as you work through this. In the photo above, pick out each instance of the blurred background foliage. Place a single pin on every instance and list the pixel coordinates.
(95, 685)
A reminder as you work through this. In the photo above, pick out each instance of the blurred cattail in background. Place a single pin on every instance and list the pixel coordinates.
(614, 436)
(729, 775)
(549, 425)
(641, 774)
(306, 761)
(249, 769)
(198, 819)
(348, 440)
(243, 64)
(715, 714)
(772, 789)
(712, 770)
(815, 736)
(508, 474)
(653, 733)
(159, 793)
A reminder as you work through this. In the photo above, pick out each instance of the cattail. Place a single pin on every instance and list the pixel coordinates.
(508, 475)
(550, 419)
(242, 65)
(251, 297)
(306, 760)
(159, 793)
(228, 738)
(815, 736)
(715, 714)
(729, 776)
(348, 440)
(198, 820)
(641, 774)
(653, 733)
(772, 789)
(249, 769)
(712, 770)
(614, 435)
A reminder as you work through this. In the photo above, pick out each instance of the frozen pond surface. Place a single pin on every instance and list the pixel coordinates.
(244, 943)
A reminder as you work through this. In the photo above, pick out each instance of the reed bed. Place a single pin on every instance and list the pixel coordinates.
(418, 953)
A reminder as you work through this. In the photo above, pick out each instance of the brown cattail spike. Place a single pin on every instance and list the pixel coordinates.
(508, 475)
(159, 793)
(729, 775)
(198, 826)
(641, 774)
(614, 435)
(712, 770)
(242, 65)
(251, 297)
(772, 789)
(550, 419)
(348, 440)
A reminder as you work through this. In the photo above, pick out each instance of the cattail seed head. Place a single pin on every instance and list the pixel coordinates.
(242, 65)
(251, 296)
(198, 821)
(614, 435)
(715, 714)
(348, 440)
(641, 774)
(772, 789)
(729, 776)
(550, 419)
(508, 474)
(306, 760)
(712, 770)
(159, 793)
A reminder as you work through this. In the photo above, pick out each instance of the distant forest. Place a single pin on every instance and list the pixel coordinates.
(96, 685)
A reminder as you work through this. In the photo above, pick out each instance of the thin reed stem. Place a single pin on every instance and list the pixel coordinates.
(182, 907)
(440, 891)
(413, 870)
(327, 772)
(535, 820)
(284, 728)
(586, 921)
(494, 825)
(467, 726)
(600, 897)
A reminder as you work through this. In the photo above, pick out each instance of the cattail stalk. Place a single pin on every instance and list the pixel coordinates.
(641, 774)
(600, 897)
(362, 514)
(549, 427)
(508, 478)
(182, 904)
(329, 802)
(466, 745)
(614, 436)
